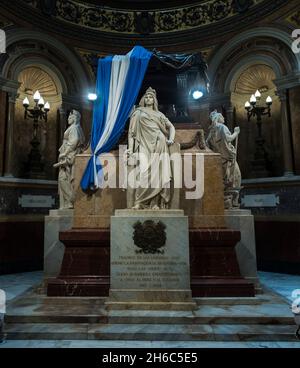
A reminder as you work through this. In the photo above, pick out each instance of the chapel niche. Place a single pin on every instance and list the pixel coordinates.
(34, 79)
(258, 77)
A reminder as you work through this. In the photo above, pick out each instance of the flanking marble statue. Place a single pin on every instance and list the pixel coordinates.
(149, 137)
(73, 144)
(220, 140)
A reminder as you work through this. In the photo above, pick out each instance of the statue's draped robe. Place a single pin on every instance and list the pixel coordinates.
(219, 140)
(72, 145)
(149, 132)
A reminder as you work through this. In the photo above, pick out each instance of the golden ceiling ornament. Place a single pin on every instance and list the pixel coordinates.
(161, 20)
(294, 18)
(255, 77)
(35, 79)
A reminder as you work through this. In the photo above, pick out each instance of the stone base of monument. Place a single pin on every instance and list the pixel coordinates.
(83, 271)
(58, 220)
(216, 268)
(214, 264)
(150, 264)
(243, 221)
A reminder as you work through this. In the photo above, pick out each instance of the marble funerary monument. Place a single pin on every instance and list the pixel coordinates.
(155, 248)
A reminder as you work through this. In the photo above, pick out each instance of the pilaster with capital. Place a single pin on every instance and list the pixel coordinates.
(3, 99)
(10, 87)
(286, 133)
(9, 140)
(284, 85)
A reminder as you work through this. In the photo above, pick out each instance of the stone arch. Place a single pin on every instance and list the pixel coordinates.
(29, 48)
(49, 53)
(19, 65)
(270, 46)
(31, 78)
(243, 65)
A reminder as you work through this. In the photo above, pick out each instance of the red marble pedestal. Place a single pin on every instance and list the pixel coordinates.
(85, 269)
(214, 265)
(215, 271)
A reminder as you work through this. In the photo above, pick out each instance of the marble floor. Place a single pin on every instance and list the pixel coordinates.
(103, 344)
(280, 283)
(18, 284)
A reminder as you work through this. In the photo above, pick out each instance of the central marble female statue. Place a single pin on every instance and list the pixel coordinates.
(149, 137)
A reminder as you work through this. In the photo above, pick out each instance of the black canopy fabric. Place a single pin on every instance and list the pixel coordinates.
(184, 62)
(180, 62)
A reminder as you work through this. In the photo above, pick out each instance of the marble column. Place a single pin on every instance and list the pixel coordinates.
(286, 134)
(9, 150)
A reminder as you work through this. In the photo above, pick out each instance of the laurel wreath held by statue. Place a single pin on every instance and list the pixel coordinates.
(149, 237)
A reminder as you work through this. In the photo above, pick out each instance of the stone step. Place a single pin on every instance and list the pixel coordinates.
(126, 318)
(152, 317)
(55, 318)
(52, 300)
(265, 313)
(147, 332)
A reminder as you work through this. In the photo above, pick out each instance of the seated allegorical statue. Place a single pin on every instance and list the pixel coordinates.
(73, 144)
(149, 137)
(220, 140)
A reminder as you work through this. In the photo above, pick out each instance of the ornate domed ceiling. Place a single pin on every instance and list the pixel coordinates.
(141, 5)
(144, 17)
(153, 23)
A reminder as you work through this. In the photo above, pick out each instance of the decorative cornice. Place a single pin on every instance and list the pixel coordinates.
(139, 4)
(99, 39)
(8, 85)
(288, 81)
(158, 21)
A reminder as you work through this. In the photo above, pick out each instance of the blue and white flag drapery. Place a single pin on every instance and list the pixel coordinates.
(119, 79)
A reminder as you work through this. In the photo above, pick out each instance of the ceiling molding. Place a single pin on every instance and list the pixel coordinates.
(97, 40)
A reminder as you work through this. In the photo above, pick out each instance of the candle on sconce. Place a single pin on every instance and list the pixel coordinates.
(41, 102)
(269, 100)
(37, 96)
(26, 102)
(247, 105)
(257, 95)
(253, 100)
